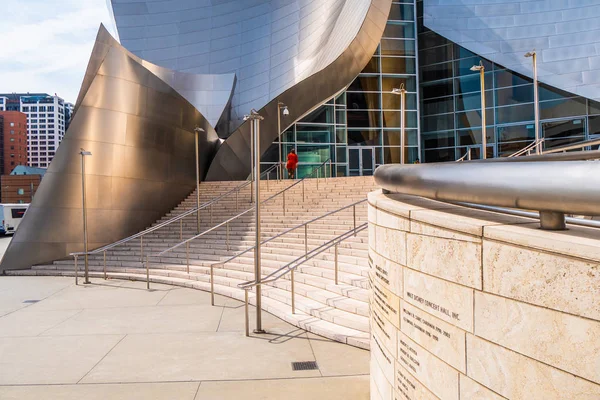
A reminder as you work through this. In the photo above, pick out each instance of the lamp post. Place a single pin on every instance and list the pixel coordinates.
(255, 119)
(286, 112)
(536, 103)
(85, 233)
(402, 93)
(197, 130)
(481, 70)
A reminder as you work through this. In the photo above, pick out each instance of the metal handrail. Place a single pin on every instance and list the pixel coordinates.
(574, 146)
(294, 228)
(467, 155)
(291, 266)
(226, 223)
(527, 148)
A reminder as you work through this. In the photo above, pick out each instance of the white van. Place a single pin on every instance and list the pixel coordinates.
(11, 214)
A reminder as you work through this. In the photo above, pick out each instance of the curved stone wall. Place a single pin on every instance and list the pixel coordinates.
(469, 304)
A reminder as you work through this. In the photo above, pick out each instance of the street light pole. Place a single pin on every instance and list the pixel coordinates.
(255, 119)
(197, 130)
(481, 70)
(280, 106)
(536, 102)
(402, 92)
(85, 232)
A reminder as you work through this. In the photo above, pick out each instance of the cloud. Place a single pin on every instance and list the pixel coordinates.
(46, 44)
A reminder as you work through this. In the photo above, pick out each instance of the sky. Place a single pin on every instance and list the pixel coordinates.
(45, 45)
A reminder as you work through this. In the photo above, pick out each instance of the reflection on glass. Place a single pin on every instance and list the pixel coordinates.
(362, 101)
(436, 72)
(514, 95)
(438, 139)
(365, 84)
(399, 30)
(438, 106)
(391, 119)
(472, 101)
(398, 65)
(518, 113)
(559, 133)
(402, 12)
(313, 134)
(363, 119)
(392, 101)
(364, 137)
(562, 108)
(390, 82)
(397, 47)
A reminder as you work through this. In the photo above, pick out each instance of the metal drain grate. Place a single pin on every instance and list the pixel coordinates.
(30, 301)
(304, 365)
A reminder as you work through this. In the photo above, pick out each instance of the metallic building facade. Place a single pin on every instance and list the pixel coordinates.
(140, 132)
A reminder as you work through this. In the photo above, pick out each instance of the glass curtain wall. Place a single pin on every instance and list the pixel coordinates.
(360, 129)
(451, 106)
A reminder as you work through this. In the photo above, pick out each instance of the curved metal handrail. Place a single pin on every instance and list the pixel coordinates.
(574, 146)
(293, 229)
(273, 276)
(554, 188)
(170, 221)
(467, 154)
(527, 148)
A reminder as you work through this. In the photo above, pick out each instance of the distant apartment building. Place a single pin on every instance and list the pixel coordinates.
(47, 121)
(13, 140)
(20, 186)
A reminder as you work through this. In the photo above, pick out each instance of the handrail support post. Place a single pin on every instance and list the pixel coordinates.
(76, 270)
(354, 218)
(247, 319)
(104, 264)
(293, 294)
(212, 285)
(147, 274)
(336, 262)
(306, 241)
(187, 256)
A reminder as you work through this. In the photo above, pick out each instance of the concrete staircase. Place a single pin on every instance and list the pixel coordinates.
(339, 312)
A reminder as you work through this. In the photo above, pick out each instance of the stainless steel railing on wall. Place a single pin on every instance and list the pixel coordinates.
(156, 227)
(228, 221)
(554, 188)
(293, 265)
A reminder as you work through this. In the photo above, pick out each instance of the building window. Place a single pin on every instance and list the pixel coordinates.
(20, 191)
(12, 124)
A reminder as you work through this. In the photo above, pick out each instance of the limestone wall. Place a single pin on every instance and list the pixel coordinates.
(468, 304)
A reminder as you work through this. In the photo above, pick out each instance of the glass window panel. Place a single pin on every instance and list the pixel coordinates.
(438, 89)
(391, 155)
(364, 137)
(438, 106)
(402, 12)
(463, 67)
(323, 114)
(363, 101)
(431, 39)
(472, 101)
(436, 72)
(562, 108)
(341, 170)
(365, 84)
(391, 119)
(397, 65)
(399, 30)
(313, 134)
(508, 148)
(514, 95)
(313, 153)
(593, 107)
(468, 119)
(441, 122)
(515, 133)
(288, 136)
(461, 52)
(392, 137)
(340, 154)
(551, 93)
(563, 129)
(436, 55)
(397, 47)
(392, 101)
(439, 155)
(506, 78)
(594, 125)
(511, 114)
(340, 135)
(271, 154)
(341, 99)
(340, 115)
(363, 119)
(472, 83)
(467, 137)
(372, 66)
(390, 82)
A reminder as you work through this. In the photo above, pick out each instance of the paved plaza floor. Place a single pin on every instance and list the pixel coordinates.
(116, 340)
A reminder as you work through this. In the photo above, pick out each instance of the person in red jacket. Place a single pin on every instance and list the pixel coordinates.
(292, 164)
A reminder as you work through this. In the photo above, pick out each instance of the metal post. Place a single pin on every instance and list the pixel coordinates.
(147, 273)
(236, 199)
(227, 229)
(330, 169)
(85, 233)
(469, 154)
(279, 104)
(283, 194)
(142, 248)
(268, 174)
(76, 270)
(180, 228)
(187, 255)
(251, 162)
(210, 212)
(246, 312)
(402, 123)
(104, 264)
(354, 217)
(303, 190)
(31, 190)
(255, 131)
(483, 122)
(197, 130)
(293, 295)
(536, 102)
(336, 263)
(212, 285)
(306, 241)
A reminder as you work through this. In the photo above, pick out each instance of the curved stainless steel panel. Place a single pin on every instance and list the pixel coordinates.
(232, 161)
(564, 35)
(140, 132)
(571, 187)
(271, 45)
